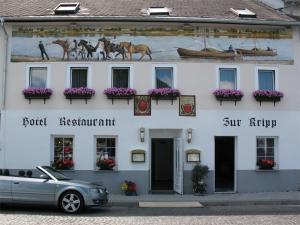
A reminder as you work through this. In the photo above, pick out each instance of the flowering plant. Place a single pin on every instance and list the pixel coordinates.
(82, 91)
(228, 93)
(37, 92)
(164, 92)
(265, 164)
(121, 92)
(129, 187)
(106, 164)
(63, 164)
(271, 94)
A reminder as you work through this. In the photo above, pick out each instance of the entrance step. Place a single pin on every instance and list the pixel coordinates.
(191, 204)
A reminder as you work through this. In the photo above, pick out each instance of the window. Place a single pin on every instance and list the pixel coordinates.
(120, 77)
(164, 77)
(266, 79)
(158, 11)
(79, 77)
(65, 8)
(265, 148)
(105, 150)
(38, 77)
(63, 153)
(227, 78)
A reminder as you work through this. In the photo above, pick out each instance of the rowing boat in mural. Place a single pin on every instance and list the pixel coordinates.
(206, 53)
(256, 52)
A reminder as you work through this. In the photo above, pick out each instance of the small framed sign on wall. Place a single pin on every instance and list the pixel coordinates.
(138, 156)
(187, 105)
(193, 155)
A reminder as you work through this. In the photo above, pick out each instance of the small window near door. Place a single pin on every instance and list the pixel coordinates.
(266, 79)
(106, 153)
(228, 78)
(164, 77)
(120, 77)
(79, 77)
(63, 153)
(38, 77)
(265, 152)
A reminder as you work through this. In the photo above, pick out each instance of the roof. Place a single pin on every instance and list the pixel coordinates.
(16, 10)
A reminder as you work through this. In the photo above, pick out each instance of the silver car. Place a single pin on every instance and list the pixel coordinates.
(51, 188)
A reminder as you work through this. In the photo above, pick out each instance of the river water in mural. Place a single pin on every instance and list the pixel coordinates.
(158, 44)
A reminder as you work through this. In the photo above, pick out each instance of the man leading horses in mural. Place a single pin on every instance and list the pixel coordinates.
(43, 51)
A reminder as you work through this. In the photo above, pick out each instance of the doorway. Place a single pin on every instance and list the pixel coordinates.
(162, 154)
(224, 164)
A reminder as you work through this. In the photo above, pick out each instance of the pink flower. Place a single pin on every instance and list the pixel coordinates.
(120, 91)
(164, 92)
(228, 93)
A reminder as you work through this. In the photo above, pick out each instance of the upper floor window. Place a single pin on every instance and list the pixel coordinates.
(227, 78)
(164, 77)
(120, 77)
(79, 77)
(38, 77)
(266, 79)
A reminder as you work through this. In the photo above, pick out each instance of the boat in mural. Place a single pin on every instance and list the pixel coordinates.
(256, 52)
(206, 53)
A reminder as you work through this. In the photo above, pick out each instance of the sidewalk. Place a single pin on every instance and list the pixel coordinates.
(264, 198)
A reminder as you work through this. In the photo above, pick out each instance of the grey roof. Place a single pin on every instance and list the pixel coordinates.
(201, 9)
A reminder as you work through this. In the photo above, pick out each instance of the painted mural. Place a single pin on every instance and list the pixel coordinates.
(30, 44)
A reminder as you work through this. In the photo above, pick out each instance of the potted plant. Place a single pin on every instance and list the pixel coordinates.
(120, 93)
(198, 174)
(37, 93)
(228, 95)
(106, 164)
(164, 93)
(79, 93)
(267, 96)
(129, 188)
(265, 164)
(63, 164)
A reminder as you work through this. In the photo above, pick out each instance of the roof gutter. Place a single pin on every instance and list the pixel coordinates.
(150, 19)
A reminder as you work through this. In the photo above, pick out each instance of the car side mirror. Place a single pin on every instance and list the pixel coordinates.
(44, 176)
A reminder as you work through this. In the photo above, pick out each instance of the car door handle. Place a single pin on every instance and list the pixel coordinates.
(16, 182)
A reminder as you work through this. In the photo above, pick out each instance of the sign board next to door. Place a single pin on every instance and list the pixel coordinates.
(192, 155)
(252, 122)
(138, 155)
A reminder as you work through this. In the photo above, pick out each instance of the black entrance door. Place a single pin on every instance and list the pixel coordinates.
(162, 164)
(224, 164)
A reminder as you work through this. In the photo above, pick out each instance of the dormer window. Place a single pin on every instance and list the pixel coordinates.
(158, 11)
(66, 8)
(243, 13)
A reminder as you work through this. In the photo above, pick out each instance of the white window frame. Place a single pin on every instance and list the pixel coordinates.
(164, 66)
(116, 150)
(238, 79)
(276, 151)
(131, 73)
(89, 74)
(38, 66)
(53, 136)
(275, 69)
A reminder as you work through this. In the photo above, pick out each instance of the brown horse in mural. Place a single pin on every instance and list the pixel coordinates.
(111, 47)
(140, 48)
(65, 45)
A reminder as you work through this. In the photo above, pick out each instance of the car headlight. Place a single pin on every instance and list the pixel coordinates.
(95, 190)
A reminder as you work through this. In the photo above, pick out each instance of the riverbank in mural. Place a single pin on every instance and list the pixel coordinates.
(146, 44)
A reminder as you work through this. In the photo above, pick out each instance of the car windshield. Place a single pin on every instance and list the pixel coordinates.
(55, 173)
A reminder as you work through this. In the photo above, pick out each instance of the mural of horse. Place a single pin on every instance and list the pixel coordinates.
(111, 48)
(65, 44)
(90, 49)
(140, 48)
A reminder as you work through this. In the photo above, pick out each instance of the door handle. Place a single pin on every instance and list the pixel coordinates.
(16, 182)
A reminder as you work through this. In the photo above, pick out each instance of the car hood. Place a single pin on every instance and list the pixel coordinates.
(84, 183)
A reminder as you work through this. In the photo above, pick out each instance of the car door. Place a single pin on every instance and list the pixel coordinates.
(5, 189)
(33, 190)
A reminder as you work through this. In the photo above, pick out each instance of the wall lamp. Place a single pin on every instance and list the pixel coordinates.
(142, 134)
(189, 135)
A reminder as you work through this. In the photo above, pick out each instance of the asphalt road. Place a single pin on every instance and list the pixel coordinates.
(132, 215)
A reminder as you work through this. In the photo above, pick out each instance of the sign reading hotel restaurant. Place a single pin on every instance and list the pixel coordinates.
(252, 122)
(69, 122)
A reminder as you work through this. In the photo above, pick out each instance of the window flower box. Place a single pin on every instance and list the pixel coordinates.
(79, 93)
(105, 164)
(37, 93)
(119, 93)
(267, 96)
(265, 164)
(66, 164)
(228, 95)
(164, 94)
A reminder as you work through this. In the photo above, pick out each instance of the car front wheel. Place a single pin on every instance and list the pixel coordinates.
(71, 202)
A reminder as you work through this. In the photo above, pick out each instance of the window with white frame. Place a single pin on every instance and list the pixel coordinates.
(120, 77)
(228, 78)
(63, 153)
(37, 77)
(164, 77)
(79, 77)
(106, 153)
(266, 79)
(266, 149)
